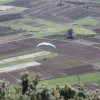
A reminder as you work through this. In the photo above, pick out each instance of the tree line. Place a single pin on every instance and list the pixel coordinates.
(28, 88)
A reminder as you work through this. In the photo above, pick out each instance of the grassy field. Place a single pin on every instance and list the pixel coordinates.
(98, 37)
(96, 1)
(93, 25)
(72, 80)
(63, 27)
(40, 28)
(86, 21)
(5, 1)
(50, 28)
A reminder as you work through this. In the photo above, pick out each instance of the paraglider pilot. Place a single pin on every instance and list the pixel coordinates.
(46, 44)
(44, 59)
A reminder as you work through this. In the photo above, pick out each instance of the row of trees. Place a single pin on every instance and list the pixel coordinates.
(28, 89)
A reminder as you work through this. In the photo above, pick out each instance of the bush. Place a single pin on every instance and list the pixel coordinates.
(25, 91)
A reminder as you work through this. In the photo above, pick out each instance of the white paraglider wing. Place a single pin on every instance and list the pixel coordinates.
(47, 44)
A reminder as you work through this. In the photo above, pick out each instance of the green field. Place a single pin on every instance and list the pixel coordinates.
(5, 1)
(96, 1)
(50, 28)
(39, 28)
(86, 21)
(98, 37)
(72, 80)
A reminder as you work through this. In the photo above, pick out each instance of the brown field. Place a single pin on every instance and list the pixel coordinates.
(96, 14)
(56, 36)
(67, 50)
(4, 31)
(97, 30)
(10, 17)
(73, 58)
(97, 45)
(47, 72)
(93, 40)
(71, 49)
(51, 11)
(95, 5)
(77, 3)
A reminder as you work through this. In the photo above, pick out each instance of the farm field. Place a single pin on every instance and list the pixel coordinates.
(37, 28)
(33, 22)
(72, 80)
(5, 1)
(67, 62)
(86, 21)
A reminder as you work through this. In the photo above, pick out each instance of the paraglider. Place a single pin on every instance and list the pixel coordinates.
(47, 44)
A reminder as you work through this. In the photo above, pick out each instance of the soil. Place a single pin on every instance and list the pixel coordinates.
(56, 36)
(97, 45)
(96, 15)
(47, 10)
(10, 17)
(74, 50)
(47, 72)
(24, 57)
(97, 31)
(4, 31)
(93, 40)
(79, 52)
(76, 3)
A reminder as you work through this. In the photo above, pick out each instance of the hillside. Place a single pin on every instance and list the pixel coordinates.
(24, 24)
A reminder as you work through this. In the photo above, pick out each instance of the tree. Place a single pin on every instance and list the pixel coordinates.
(66, 91)
(60, 2)
(44, 92)
(70, 33)
(34, 80)
(24, 83)
(78, 79)
(87, 7)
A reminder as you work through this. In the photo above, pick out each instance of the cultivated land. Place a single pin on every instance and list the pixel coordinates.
(31, 22)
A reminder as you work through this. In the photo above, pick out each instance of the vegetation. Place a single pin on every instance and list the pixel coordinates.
(96, 1)
(5, 1)
(70, 33)
(27, 60)
(30, 87)
(27, 89)
(85, 21)
(72, 80)
(44, 27)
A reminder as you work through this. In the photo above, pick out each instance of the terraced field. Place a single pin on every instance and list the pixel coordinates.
(68, 62)
(47, 21)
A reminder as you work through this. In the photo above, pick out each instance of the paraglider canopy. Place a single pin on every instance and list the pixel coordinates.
(47, 44)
